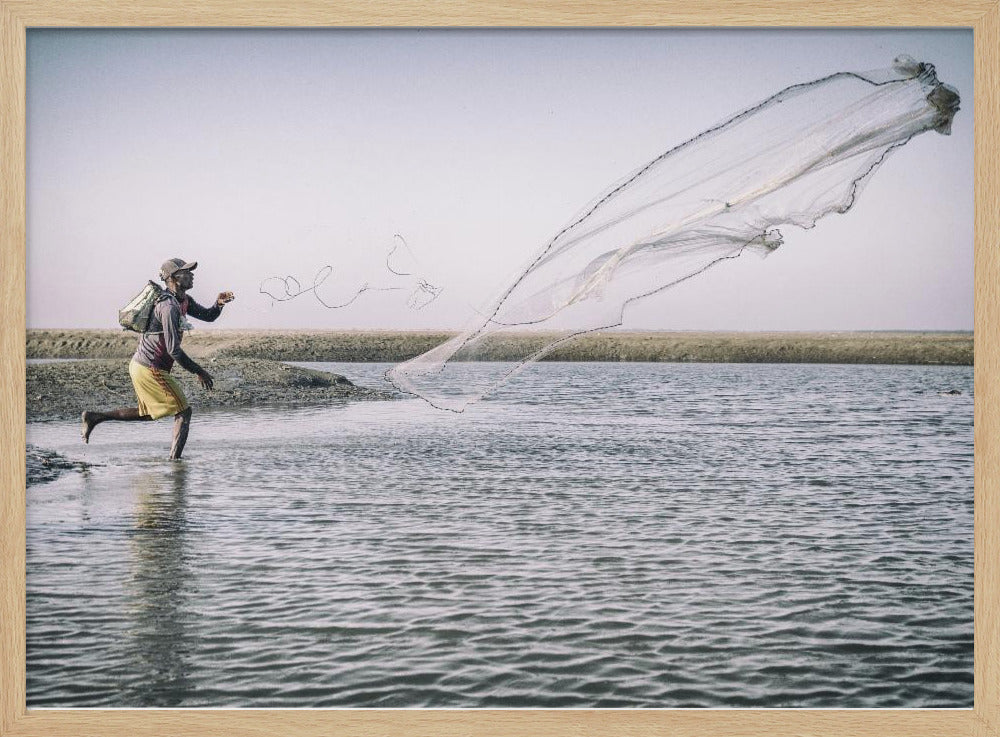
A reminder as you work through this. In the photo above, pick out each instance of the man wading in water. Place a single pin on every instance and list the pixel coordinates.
(158, 392)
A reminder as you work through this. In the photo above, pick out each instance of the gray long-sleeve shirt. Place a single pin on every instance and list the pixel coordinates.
(161, 345)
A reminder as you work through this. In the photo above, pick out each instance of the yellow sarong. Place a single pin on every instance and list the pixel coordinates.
(158, 392)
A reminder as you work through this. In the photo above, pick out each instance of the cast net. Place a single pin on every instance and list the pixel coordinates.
(803, 153)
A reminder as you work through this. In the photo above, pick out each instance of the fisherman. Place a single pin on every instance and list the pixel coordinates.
(158, 392)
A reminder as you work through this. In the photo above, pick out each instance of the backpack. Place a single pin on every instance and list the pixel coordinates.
(138, 313)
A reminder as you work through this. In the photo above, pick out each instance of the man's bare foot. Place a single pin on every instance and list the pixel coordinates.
(88, 426)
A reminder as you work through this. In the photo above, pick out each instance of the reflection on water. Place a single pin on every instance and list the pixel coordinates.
(637, 535)
(159, 587)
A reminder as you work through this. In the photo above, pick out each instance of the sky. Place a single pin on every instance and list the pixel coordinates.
(450, 157)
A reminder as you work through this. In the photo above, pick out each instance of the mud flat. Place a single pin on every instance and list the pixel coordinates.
(45, 465)
(61, 391)
(920, 348)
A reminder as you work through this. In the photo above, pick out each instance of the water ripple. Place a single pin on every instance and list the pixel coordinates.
(628, 535)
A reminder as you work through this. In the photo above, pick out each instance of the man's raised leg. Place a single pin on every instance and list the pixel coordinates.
(90, 419)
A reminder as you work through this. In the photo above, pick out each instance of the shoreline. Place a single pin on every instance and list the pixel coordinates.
(953, 348)
(251, 369)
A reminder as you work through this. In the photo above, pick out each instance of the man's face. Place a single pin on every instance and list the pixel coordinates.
(184, 279)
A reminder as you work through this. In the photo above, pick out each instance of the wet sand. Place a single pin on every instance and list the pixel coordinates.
(46, 465)
(61, 391)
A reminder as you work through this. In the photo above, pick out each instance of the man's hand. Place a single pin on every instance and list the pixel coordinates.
(206, 380)
(224, 298)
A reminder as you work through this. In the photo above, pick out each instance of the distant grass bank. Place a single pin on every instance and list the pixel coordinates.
(931, 348)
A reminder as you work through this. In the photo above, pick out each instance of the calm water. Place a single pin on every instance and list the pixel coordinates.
(651, 535)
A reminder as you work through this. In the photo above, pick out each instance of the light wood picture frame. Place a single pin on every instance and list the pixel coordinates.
(17, 16)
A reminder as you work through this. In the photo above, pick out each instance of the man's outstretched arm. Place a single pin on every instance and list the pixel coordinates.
(209, 314)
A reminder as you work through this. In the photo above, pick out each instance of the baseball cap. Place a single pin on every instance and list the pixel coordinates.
(174, 265)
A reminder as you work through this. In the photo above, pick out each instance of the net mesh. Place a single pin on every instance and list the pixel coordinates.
(803, 153)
